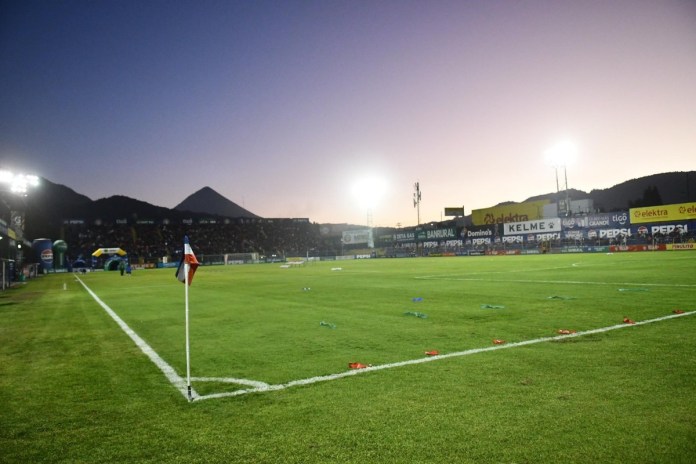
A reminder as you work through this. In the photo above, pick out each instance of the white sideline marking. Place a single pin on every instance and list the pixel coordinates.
(324, 378)
(531, 281)
(175, 379)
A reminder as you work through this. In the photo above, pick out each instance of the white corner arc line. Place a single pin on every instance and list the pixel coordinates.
(169, 372)
(250, 383)
(324, 378)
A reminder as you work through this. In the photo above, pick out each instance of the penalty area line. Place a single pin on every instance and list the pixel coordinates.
(324, 378)
(169, 372)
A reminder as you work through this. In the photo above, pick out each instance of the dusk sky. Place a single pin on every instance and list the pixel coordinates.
(283, 106)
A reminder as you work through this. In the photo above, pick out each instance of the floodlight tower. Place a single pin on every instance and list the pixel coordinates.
(369, 191)
(559, 156)
(13, 188)
(417, 199)
(17, 185)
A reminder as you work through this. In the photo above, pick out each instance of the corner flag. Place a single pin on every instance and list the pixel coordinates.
(184, 273)
(187, 258)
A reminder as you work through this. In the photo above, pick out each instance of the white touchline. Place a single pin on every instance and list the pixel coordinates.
(176, 380)
(324, 378)
(529, 281)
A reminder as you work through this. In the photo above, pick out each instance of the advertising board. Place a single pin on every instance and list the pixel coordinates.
(514, 212)
(405, 237)
(351, 237)
(664, 213)
(479, 235)
(541, 227)
(681, 246)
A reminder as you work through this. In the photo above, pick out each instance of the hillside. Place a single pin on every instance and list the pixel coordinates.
(673, 187)
(53, 204)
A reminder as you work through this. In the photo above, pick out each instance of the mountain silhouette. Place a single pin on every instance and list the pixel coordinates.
(207, 200)
(52, 207)
(673, 187)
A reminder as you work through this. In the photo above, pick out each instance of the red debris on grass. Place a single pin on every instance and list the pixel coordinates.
(357, 366)
(678, 311)
(566, 331)
(432, 353)
(628, 321)
(498, 342)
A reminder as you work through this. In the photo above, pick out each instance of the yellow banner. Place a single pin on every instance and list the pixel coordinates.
(681, 246)
(678, 212)
(109, 251)
(515, 212)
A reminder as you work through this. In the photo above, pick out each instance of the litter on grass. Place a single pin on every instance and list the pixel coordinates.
(497, 341)
(566, 331)
(357, 366)
(678, 311)
(558, 297)
(417, 299)
(416, 313)
(327, 324)
(432, 353)
(628, 321)
(490, 306)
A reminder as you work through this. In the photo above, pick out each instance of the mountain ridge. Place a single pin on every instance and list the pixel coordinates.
(674, 187)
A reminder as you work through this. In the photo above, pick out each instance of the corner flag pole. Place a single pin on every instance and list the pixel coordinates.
(188, 347)
(188, 265)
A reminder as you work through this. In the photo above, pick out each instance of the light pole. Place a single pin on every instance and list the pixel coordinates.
(417, 199)
(369, 191)
(559, 156)
(17, 185)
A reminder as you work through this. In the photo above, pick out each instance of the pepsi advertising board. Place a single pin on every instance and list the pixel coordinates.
(43, 247)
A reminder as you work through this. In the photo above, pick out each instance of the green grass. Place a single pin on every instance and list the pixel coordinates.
(77, 389)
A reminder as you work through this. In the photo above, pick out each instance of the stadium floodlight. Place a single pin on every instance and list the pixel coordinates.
(560, 156)
(18, 183)
(369, 191)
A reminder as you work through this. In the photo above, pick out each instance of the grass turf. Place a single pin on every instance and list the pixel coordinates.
(78, 390)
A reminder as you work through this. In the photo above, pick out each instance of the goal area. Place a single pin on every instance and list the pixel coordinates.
(240, 258)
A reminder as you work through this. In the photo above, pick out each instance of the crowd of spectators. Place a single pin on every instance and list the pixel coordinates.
(150, 243)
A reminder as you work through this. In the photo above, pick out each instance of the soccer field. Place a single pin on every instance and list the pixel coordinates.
(537, 361)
